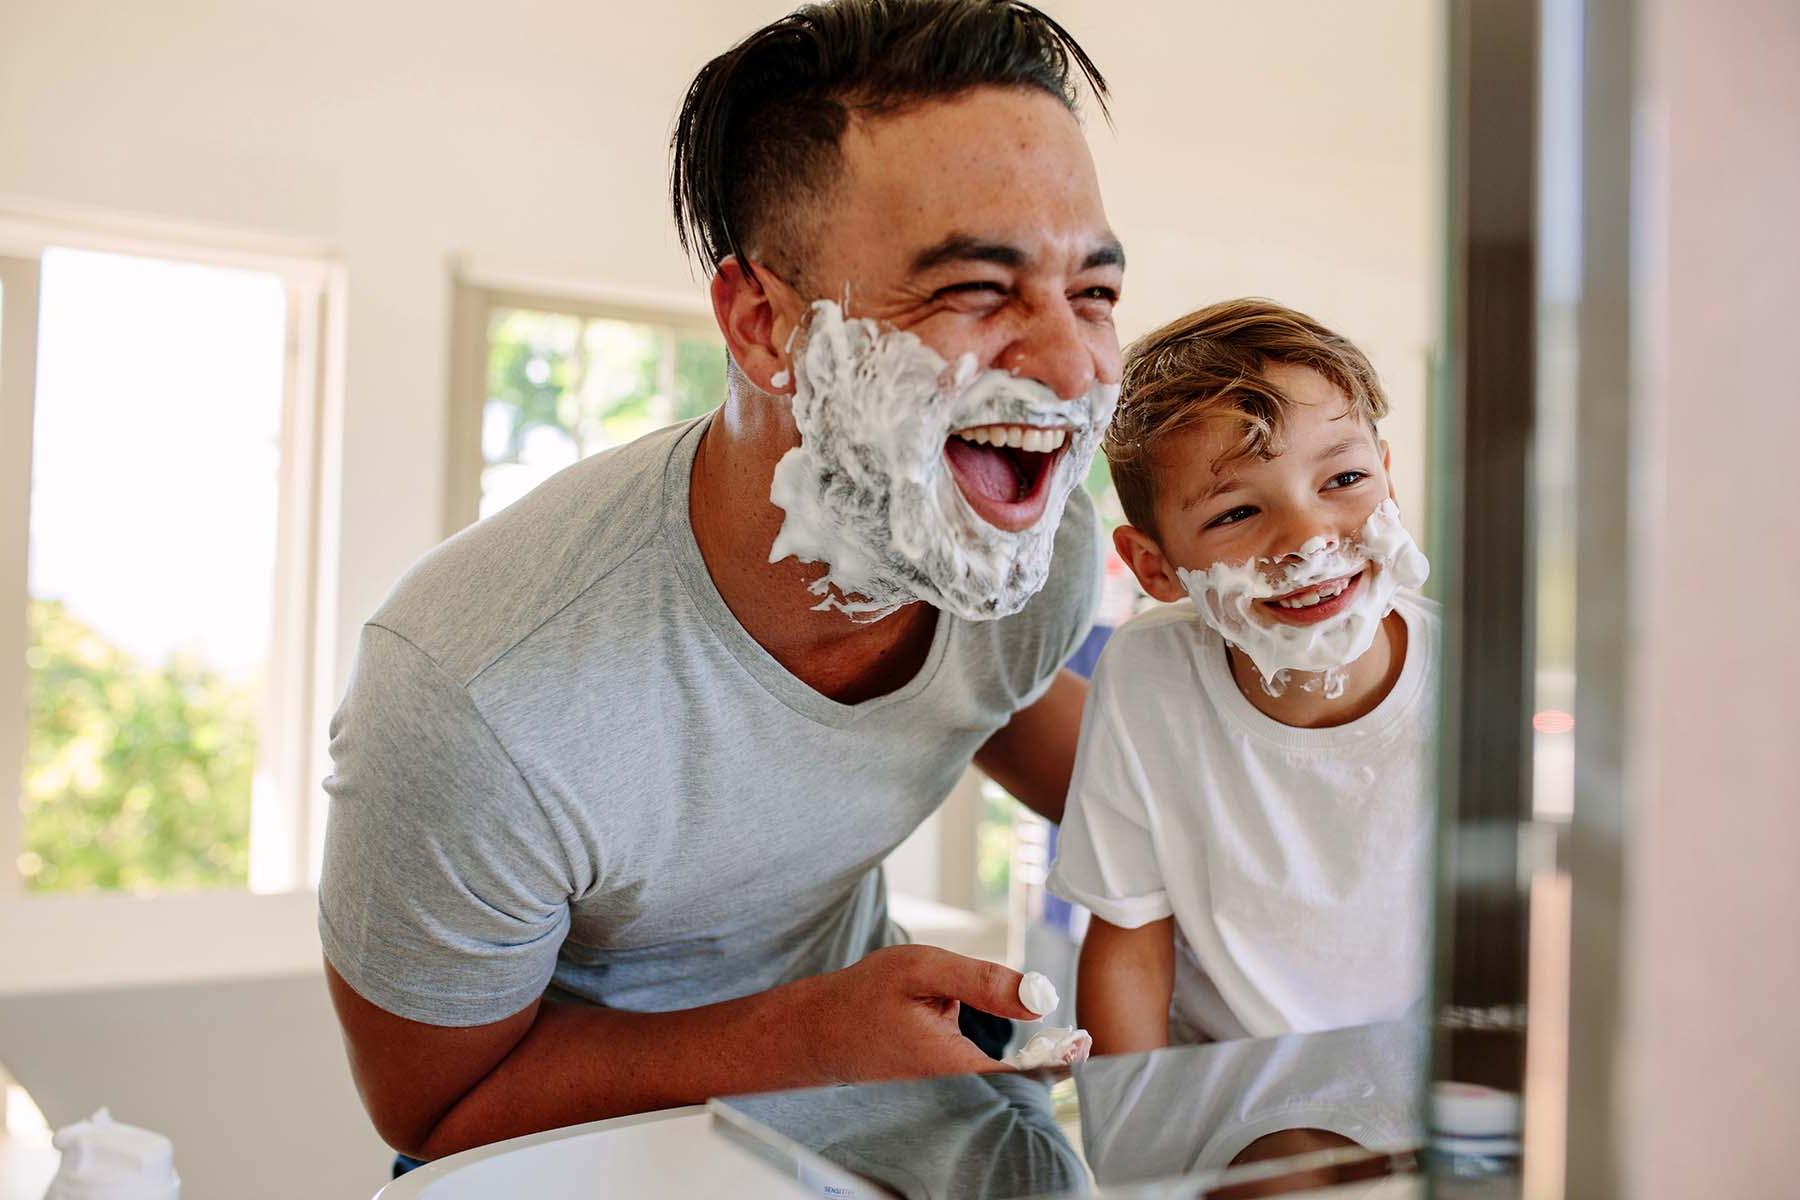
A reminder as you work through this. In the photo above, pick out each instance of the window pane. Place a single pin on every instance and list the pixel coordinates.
(699, 377)
(561, 388)
(154, 485)
(1099, 484)
(619, 399)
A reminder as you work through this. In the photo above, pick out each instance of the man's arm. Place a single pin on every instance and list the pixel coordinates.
(433, 1090)
(1033, 755)
(1124, 983)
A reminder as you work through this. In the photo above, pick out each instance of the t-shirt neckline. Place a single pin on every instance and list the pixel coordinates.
(1392, 713)
(677, 537)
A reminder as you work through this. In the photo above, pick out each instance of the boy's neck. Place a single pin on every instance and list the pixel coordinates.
(1367, 683)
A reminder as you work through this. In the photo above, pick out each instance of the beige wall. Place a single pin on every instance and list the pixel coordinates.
(1282, 148)
(247, 1078)
(1712, 1045)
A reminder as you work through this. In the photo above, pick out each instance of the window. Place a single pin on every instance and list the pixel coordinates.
(161, 458)
(545, 379)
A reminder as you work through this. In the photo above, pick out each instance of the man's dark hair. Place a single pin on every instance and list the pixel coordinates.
(762, 121)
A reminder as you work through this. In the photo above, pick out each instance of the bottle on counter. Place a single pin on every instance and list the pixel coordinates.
(104, 1159)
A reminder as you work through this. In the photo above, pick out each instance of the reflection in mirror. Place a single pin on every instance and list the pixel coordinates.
(1254, 1117)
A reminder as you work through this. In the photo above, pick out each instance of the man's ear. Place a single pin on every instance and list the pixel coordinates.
(1155, 573)
(757, 313)
(1387, 468)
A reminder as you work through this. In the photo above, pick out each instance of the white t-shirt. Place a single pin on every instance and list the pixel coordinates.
(1296, 862)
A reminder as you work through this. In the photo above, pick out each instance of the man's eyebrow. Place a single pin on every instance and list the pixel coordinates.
(1110, 254)
(963, 247)
(1218, 487)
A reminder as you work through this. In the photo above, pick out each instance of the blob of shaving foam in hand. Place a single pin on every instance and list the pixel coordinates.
(1051, 1048)
(1037, 993)
(1379, 560)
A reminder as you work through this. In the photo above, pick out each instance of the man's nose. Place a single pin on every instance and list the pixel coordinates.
(1062, 352)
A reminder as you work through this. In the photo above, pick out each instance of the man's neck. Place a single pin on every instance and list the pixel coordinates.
(1367, 683)
(735, 524)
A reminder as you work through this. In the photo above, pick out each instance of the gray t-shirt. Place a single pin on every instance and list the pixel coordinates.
(562, 763)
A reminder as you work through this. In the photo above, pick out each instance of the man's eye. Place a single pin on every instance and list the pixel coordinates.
(1231, 518)
(973, 289)
(1096, 302)
(1346, 478)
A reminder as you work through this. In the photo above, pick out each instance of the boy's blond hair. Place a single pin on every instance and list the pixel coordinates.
(1209, 365)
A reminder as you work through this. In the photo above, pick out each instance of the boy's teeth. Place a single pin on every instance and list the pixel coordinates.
(1019, 437)
(1327, 591)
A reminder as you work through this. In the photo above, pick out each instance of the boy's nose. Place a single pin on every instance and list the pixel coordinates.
(1306, 537)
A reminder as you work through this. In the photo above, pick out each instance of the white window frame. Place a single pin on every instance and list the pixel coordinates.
(64, 941)
(477, 292)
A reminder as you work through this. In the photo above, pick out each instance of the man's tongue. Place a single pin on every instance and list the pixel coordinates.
(985, 470)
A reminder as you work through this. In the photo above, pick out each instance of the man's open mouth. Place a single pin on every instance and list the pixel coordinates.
(1316, 601)
(1004, 470)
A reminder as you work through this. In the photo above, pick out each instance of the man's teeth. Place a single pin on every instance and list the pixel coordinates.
(1325, 591)
(1019, 437)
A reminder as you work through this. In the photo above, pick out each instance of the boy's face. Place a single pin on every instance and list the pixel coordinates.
(1332, 474)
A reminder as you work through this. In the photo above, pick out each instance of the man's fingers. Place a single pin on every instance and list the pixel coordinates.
(988, 986)
(960, 1056)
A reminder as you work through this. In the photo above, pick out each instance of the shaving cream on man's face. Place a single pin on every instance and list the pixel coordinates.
(871, 490)
(1339, 593)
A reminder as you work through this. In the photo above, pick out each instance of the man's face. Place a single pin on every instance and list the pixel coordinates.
(1331, 474)
(975, 224)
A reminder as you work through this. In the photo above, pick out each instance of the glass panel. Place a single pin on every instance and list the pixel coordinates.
(155, 461)
(561, 388)
(1255, 1117)
(699, 377)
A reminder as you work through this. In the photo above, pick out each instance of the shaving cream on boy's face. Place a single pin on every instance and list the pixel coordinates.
(870, 490)
(1379, 560)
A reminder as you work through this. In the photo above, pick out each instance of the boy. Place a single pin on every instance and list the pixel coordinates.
(1250, 818)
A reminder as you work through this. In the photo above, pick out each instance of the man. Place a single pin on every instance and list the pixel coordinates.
(617, 767)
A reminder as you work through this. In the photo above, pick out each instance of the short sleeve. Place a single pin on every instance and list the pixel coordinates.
(1106, 854)
(445, 889)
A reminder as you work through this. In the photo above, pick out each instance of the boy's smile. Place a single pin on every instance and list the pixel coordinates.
(1316, 602)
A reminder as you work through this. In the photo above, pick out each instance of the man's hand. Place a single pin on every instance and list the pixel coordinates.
(433, 1091)
(893, 1014)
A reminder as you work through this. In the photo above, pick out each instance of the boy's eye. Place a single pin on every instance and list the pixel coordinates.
(1346, 478)
(1231, 518)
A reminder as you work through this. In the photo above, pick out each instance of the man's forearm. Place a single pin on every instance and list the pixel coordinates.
(580, 1063)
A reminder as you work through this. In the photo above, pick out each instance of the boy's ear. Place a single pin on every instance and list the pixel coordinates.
(1155, 573)
(1387, 468)
(757, 313)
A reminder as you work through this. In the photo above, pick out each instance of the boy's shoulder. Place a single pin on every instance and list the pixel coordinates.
(1423, 615)
(1158, 627)
(1156, 647)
